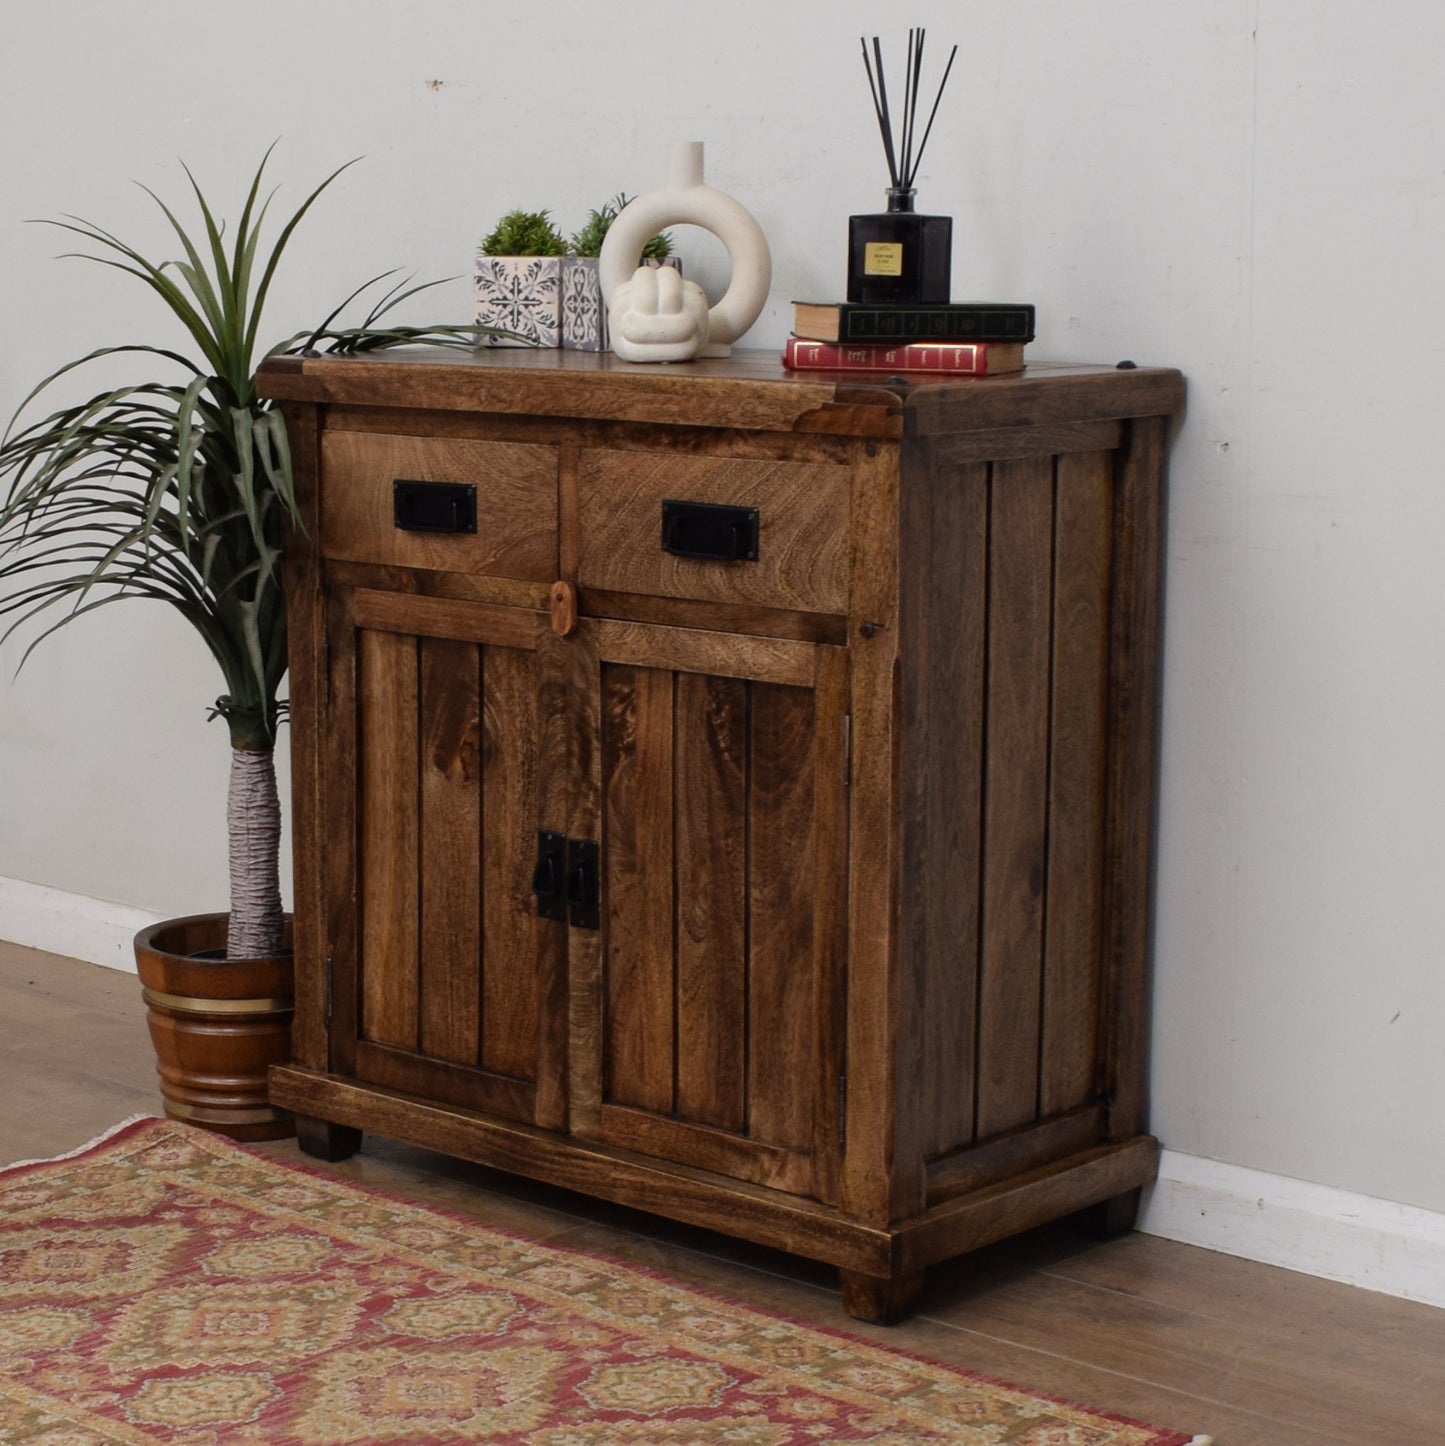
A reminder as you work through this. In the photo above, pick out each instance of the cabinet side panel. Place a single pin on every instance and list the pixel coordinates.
(451, 822)
(509, 809)
(781, 1004)
(711, 740)
(388, 838)
(1076, 782)
(945, 723)
(637, 865)
(1015, 792)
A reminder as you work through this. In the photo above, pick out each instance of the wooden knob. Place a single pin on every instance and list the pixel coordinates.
(564, 609)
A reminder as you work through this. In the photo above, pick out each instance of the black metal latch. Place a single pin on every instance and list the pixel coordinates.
(565, 880)
(433, 506)
(710, 531)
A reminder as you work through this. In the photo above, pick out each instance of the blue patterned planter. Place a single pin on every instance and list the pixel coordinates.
(584, 315)
(522, 294)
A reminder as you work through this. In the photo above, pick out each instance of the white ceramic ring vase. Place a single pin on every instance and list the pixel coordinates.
(686, 200)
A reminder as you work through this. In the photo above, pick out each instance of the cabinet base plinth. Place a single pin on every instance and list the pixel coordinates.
(881, 1267)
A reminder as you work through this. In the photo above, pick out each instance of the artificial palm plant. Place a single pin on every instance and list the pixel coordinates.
(180, 491)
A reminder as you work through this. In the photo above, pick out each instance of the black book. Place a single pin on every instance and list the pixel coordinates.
(843, 321)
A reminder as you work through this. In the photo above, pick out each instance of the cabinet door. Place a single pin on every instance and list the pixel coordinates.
(711, 770)
(447, 984)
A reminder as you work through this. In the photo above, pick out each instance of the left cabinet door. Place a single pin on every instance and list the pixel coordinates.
(446, 745)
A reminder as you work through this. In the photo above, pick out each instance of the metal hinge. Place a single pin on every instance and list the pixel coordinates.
(326, 665)
(847, 750)
(329, 995)
(842, 1109)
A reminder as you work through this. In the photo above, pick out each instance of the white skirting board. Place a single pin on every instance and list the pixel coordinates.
(71, 924)
(1377, 1244)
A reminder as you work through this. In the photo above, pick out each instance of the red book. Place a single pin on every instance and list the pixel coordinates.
(965, 359)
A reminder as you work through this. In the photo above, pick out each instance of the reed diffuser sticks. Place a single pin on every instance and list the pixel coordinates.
(904, 161)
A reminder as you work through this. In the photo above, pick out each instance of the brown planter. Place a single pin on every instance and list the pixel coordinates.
(218, 1025)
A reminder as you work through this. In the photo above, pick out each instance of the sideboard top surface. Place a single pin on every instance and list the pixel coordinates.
(749, 389)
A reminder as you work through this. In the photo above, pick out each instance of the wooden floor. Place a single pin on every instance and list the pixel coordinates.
(1176, 1335)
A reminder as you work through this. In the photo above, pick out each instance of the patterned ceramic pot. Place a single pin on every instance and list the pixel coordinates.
(520, 294)
(584, 313)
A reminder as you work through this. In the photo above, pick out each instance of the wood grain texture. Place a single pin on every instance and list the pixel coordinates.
(944, 622)
(450, 832)
(510, 978)
(714, 616)
(339, 863)
(387, 706)
(998, 444)
(802, 529)
(638, 888)
(434, 617)
(1015, 793)
(976, 1166)
(516, 501)
(766, 660)
(782, 1059)
(882, 1176)
(711, 866)
(1078, 747)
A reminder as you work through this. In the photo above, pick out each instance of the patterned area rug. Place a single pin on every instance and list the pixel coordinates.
(165, 1285)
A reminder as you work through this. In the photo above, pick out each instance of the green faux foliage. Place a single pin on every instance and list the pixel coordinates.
(588, 241)
(179, 490)
(524, 233)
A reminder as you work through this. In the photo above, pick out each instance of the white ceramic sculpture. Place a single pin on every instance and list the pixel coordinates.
(686, 200)
(657, 316)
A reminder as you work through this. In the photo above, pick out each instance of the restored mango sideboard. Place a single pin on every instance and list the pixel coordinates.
(727, 791)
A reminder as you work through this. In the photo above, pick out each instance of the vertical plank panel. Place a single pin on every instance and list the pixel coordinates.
(949, 788)
(1076, 780)
(554, 729)
(781, 880)
(830, 916)
(450, 850)
(586, 984)
(711, 741)
(1129, 806)
(638, 886)
(341, 816)
(388, 843)
(1016, 792)
(509, 782)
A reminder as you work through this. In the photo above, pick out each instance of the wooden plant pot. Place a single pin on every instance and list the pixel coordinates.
(218, 1025)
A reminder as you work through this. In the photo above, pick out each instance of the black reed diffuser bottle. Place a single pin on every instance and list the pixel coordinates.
(899, 257)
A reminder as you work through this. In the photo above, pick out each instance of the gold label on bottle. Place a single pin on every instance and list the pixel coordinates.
(883, 258)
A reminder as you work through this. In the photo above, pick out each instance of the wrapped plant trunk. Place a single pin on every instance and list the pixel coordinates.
(253, 820)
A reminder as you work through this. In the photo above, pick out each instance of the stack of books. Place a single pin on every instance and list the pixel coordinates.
(964, 338)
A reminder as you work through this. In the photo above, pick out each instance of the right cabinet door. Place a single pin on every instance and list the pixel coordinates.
(710, 769)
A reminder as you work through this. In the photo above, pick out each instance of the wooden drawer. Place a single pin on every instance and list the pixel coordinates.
(516, 501)
(802, 560)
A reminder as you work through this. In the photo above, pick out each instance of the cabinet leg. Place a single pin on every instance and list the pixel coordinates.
(879, 1298)
(1111, 1218)
(323, 1140)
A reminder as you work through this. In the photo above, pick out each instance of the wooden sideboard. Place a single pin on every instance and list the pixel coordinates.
(729, 791)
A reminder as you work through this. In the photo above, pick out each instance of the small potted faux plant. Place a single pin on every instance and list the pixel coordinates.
(584, 313)
(518, 280)
(179, 490)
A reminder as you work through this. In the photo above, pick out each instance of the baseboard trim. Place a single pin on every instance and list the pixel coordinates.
(1376, 1244)
(96, 930)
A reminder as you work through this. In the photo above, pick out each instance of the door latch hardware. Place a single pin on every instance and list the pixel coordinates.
(549, 875)
(582, 884)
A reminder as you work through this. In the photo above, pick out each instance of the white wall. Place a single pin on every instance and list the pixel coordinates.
(1248, 189)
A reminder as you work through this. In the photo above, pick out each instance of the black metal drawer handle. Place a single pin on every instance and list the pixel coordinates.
(710, 531)
(433, 506)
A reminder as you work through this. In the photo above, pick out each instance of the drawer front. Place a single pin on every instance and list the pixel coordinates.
(801, 528)
(516, 504)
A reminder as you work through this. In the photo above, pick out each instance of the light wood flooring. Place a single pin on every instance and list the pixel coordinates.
(1175, 1335)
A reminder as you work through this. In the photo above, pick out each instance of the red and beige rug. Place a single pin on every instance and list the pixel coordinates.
(165, 1285)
